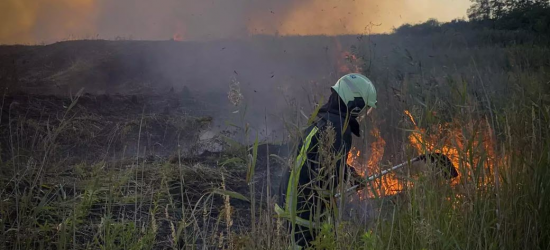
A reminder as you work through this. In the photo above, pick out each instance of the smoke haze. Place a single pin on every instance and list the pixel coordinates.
(37, 21)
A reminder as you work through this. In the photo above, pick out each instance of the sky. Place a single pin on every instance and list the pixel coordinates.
(47, 21)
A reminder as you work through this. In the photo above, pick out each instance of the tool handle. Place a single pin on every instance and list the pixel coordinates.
(376, 176)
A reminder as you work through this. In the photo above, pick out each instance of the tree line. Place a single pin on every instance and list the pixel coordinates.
(531, 16)
(496, 9)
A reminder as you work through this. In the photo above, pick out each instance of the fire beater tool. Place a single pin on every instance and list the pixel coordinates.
(438, 159)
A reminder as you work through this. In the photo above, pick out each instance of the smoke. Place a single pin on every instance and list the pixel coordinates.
(32, 21)
(330, 17)
(36, 21)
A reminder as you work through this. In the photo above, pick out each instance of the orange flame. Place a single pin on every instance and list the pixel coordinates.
(455, 141)
(386, 185)
(346, 62)
(466, 147)
(179, 35)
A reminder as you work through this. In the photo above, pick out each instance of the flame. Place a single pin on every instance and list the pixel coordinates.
(388, 184)
(465, 145)
(450, 139)
(346, 62)
(179, 35)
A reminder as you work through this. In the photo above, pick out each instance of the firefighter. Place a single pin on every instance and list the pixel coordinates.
(307, 189)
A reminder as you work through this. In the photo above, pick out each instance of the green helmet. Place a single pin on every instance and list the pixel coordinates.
(357, 92)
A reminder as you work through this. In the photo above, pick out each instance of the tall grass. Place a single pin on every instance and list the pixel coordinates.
(500, 209)
(502, 203)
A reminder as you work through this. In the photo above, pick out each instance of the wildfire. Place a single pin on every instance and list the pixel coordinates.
(466, 152)
(177, 37)
(179, 34)
(466, 146)
(346, 62)
(388, 184)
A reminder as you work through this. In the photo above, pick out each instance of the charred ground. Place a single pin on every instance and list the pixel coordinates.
(148, 154)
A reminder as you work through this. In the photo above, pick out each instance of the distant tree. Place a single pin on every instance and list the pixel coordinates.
(480, 10)
(496, 9)
(531, 16)
(428, 27)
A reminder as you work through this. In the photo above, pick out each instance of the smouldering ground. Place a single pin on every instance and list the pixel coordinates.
(111, 171)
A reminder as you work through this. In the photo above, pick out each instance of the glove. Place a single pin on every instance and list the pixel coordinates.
(356, 178)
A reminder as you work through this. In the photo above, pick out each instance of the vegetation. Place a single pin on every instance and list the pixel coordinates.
(529, 18)
(217, 201)
(497, 9)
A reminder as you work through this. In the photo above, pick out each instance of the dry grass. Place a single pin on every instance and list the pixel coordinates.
(136, 200)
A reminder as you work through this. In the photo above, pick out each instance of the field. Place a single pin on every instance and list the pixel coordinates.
(179, 145)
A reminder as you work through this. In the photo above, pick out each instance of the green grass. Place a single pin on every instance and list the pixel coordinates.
(138, 203)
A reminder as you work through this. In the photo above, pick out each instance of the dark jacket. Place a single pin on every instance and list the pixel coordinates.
(333, 115)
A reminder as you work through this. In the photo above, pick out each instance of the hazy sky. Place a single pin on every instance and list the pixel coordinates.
(36, 21)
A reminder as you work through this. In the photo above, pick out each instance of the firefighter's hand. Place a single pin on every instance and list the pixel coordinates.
(356, 179)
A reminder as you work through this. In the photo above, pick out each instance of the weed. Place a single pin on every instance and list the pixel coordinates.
(496, 119)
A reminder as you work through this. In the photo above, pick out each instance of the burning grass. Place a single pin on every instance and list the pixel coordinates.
(134, 200)
(436, 214)
(468, 147)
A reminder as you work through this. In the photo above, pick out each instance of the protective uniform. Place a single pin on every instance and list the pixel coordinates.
(316, 184)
